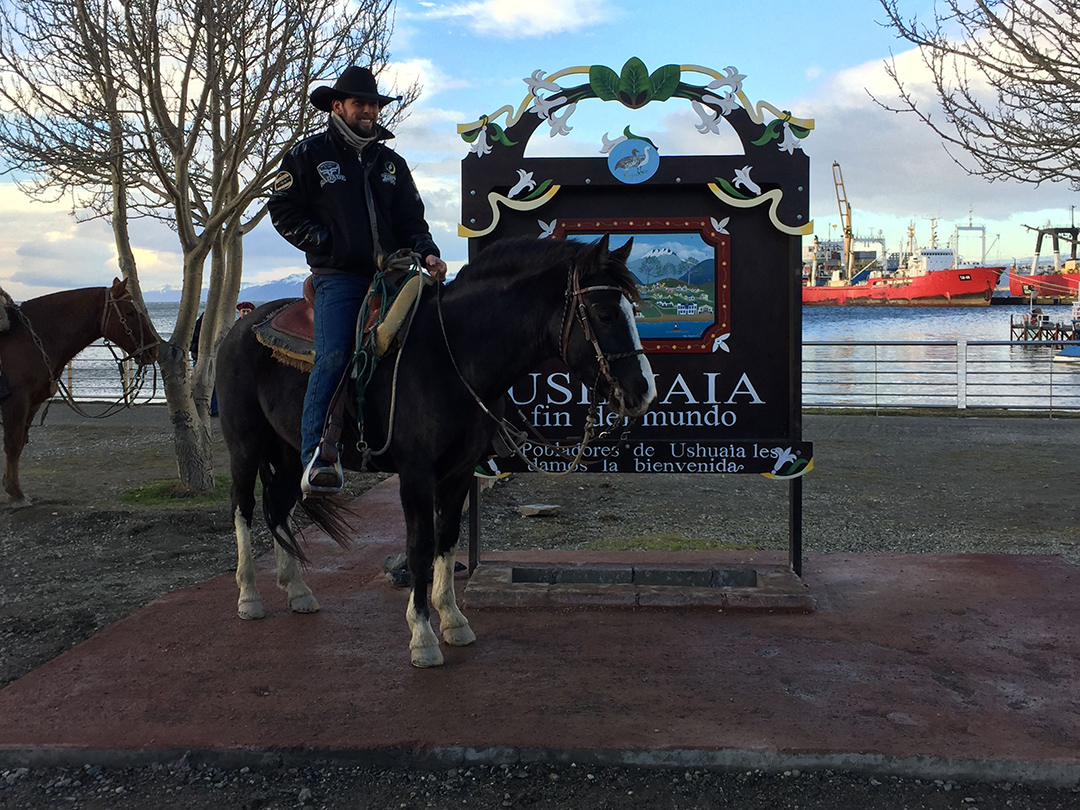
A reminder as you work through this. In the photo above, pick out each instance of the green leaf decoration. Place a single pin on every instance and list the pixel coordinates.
(665, 80)
(771, 133)
(537, 192)
(635, 87)
(794, 467)
(631, 136)
(731, 190)
(604, 82)
(471, 136)
(798, 132)
(499, 134)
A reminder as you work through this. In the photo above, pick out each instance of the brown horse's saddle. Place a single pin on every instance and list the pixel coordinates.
(289, 333)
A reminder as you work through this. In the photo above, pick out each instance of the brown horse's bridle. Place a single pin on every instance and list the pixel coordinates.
(112, 305)
(575, 302)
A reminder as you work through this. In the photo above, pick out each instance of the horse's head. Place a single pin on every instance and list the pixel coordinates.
(600, 338)
(126, 325)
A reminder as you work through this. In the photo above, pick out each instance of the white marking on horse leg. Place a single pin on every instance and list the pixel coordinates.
(646, 370)
(424, 647)
(455, 627)
(289, 580)
(250, 604)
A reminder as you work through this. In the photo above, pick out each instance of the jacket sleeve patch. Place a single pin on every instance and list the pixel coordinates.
(282, 181)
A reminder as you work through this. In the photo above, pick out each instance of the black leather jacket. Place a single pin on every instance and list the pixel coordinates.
(318, 204)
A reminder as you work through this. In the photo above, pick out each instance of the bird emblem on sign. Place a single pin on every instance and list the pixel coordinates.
(633, 160)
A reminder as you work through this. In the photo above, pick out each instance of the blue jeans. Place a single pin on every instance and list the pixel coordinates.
(337, 304)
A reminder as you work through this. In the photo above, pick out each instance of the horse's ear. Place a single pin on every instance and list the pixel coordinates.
(600, 247)
(623, 253)
(119, 284)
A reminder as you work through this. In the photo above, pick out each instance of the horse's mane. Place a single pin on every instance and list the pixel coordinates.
(526, 257)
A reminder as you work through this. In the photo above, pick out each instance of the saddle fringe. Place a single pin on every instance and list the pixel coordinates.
(300, 362)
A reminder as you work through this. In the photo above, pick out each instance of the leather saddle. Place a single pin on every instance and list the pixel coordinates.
(289, 330)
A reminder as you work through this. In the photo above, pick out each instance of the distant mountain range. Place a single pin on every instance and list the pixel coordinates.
(288, 287)
(661, 263)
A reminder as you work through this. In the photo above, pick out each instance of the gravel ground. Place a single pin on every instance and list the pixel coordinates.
(80, 559)
(188, 786)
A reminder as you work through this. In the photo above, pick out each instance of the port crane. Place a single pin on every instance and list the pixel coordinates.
(845, 272)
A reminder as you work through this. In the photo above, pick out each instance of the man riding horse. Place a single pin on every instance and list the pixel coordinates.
(344, 198)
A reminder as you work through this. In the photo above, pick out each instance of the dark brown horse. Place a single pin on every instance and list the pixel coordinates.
(432, 417)
(45, 334)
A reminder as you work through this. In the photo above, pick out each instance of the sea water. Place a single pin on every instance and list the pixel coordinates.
(834, 323)
(96, 376)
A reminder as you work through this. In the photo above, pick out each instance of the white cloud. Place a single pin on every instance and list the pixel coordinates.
(400, 75)
(896, 169)
(514, 19)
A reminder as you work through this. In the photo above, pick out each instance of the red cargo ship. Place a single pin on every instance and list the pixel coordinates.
(928, 280)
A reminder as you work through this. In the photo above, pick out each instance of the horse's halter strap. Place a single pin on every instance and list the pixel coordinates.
(112, 305)
(575, 302)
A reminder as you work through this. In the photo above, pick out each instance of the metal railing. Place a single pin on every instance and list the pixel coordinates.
(836, 374)
(961, 374)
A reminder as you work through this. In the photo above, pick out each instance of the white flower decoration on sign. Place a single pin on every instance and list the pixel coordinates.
(742, 178)
(790, 143)
(558, 120)
(710, 119)
(608, 145)
(481, 146)
(525, 183)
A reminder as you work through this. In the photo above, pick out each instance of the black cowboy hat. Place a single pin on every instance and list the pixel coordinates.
(355, 82)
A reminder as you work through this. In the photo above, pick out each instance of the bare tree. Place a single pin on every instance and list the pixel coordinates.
(179, 110)
(1006, 74)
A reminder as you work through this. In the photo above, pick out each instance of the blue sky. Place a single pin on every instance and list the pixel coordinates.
(472, 57)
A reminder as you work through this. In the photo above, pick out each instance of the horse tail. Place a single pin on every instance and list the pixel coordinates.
(277, 502)
(332, 516)
(329, 514)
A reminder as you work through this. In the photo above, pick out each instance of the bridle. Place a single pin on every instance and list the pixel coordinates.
(511, 437)
(575, 303)
(112, 306)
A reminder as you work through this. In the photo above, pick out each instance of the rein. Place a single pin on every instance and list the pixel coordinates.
(512, 437)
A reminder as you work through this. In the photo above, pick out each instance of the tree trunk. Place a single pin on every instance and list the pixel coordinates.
(187, 390)
(191, 434)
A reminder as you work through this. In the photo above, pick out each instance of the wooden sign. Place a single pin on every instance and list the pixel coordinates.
(717, 255)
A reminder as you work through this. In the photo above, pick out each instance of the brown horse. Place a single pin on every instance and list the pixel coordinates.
(45, 334)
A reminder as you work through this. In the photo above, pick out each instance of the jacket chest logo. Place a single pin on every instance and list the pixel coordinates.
(330, 172)
(389, 175)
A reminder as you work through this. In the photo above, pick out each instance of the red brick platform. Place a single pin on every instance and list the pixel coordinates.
(962, 666)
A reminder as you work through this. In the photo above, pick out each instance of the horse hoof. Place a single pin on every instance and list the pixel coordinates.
(426, 657)
(250, 610)
(21, 503)
(459, 636)
(304, 604)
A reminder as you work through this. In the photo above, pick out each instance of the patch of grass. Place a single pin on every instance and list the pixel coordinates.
(165, 494)
(665, 542)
